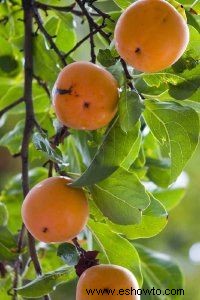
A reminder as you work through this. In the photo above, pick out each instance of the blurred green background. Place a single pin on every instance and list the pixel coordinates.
(182, 233)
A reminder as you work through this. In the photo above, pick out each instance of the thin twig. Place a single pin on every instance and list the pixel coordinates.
(48, 36)
(78, 247)
(101, 13)
(70, 8)
(127, 74)
(43, 84)
(39, 128)
(59, 8)
(50, 170)
(33, 254)
(91, 27)
(78, 44)
(129, 78)
(94, 28)
(3, 270)
(92, 44)
(7, 108)
(92, 22)
(61, 134)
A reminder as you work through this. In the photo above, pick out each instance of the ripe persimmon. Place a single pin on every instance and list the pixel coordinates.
(151, 35)
(107, 278)
(85, 96)
(53, 211)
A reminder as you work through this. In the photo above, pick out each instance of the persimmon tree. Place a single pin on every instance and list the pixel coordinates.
(126, 169)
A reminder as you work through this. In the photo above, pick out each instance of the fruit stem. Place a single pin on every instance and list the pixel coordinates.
(78, 247)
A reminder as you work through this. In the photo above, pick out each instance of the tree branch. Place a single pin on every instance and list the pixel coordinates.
(78, 44)
(91, 34)
(70, 8)
(129, 78)
(43, 84)
(100, 13)
(59, 8)
(92, 45)
(7, 108)
(91, 21)
(29, 125)
(48, 36)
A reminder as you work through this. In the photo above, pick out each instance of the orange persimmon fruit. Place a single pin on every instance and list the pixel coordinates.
(151, 35)
(105, 278)
(53, 211)
(85, 96)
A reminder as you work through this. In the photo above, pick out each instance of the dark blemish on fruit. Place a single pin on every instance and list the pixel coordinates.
(164, 20)
(45, 229)
(137, 50)
(181, 6)
(63, 91)
(76, 95)
(86, 104)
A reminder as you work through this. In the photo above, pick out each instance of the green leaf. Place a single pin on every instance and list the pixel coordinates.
(181, 86)
(170, 198)
(6, 254)
(13, 29)
(3, 215)
(185, 89)
(62, 31)
(115, 249)
(7, 238)
(159, 171)
(48, 259)
(121, 197)
(107, 6)
(12, 196)
(59, 3)
(123, 3)
(5, 285)
(95, 212)
(12, 140)
(105, 58)
(41, 100)
(73, 156)
(46, 283)
(117, 71)
(42, 143)
(154, 219)
(118, 149)
(159, 272)
(184, 63)
(193, 20)
(163, 85)
(177, 130)
(8, 64)
(130, 109)
(68, 253)
(45, 61)
(46, 122)
(87, 143)
(11, 91)
(6, 84)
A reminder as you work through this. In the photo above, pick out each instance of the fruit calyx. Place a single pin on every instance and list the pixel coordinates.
(87, 259)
